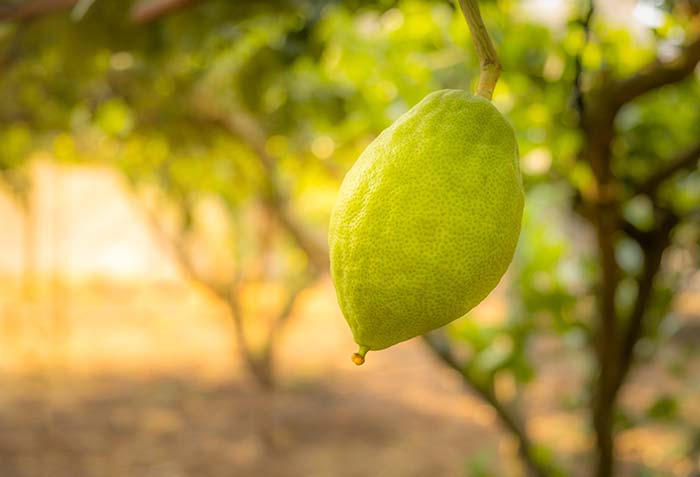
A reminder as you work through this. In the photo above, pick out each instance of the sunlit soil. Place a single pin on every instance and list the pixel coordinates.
(145, 379)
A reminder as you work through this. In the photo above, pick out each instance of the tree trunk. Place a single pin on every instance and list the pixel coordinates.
(605, 443)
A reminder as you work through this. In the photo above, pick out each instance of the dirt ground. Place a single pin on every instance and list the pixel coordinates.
(125, 383)
(142, 380)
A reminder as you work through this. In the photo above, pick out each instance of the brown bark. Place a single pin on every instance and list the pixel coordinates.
(23, 11)
(686, 159)
(147, 11)
(615, 346)
(141, 12)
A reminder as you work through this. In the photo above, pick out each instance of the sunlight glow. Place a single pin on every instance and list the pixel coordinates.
(648, 15)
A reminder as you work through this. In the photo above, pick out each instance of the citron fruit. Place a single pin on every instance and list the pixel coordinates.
(427, 220)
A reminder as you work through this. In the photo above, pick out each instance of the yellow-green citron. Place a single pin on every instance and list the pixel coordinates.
(427, 220)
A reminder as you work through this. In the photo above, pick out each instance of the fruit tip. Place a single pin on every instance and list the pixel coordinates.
(359, 357)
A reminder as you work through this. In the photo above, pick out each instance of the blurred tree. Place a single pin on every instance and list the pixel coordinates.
(15, 179)
(626, 179)
(96, 83)
(263, 105)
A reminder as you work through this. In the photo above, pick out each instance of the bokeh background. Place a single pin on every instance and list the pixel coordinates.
(168, 168)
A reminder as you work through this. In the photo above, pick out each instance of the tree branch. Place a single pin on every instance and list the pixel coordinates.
(658, 73)
(147, 11)
(178, 251)
(260, 368)
(250, 132)
(633, 232)
(578, 96)
(653, 247)
(602, 108)
(144, 11)
(295, 290)
(488, 58)
(605, 218)
(23, 11)
(617, 354)
(441, 348)
(694, 453)
(282, 318)
(687, 159)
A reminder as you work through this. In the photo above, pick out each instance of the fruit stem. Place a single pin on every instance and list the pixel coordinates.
(488, 58)
(359, 357)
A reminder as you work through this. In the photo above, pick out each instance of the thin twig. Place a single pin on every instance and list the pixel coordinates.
(488, 58)
(177, 250)
(578, 60)
(281, 320)
(249, 131)
(442, 349)
(653, 248)
(688, 159)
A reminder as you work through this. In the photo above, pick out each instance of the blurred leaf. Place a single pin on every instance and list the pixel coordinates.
(665, 408)
(114, 117)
